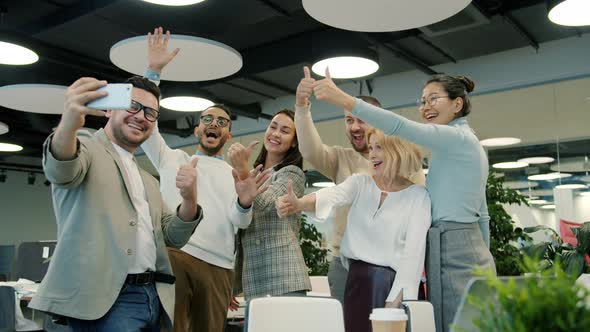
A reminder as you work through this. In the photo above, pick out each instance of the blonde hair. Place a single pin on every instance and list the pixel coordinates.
(402, 158)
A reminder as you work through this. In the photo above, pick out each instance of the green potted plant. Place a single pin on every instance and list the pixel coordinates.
(573, 259)
(546, 301)
(506, 256)
(315, 256)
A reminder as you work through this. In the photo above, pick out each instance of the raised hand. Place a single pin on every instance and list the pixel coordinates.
(239, 156)
(78, 95)
(305, 88)
(288, 204)
(63, 145)
(158, 55)
(327, 90)
(186, 180)
(251, 186)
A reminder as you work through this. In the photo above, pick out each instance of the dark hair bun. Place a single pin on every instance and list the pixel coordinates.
(467, 82)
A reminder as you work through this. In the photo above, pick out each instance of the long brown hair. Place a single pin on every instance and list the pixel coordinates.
(292, 157)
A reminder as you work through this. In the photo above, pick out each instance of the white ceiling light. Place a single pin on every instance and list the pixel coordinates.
(571, 186)
(537, 160)
(7, 147)
(346, 67)
(12, 54)
(323, 184)
(174, 2)
(500, 141)
(510, 165)
(548, 207)
(3, 128)
(569, 12)
(538, 201)
(548, 176)
(186, 104)
(585, 193)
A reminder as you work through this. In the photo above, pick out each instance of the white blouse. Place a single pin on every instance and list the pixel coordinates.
(392, 235)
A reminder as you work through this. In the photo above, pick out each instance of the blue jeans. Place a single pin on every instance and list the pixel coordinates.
(137, 308)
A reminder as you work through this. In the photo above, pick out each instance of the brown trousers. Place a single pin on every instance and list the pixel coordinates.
(203, 293)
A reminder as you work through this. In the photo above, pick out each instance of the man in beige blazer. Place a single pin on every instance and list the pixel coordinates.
(110, 270)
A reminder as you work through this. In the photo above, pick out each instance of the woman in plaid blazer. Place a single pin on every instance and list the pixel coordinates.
(270, 261)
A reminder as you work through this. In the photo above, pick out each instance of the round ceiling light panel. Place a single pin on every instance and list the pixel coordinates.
(34, 98)
(382, 15)
(199, 59)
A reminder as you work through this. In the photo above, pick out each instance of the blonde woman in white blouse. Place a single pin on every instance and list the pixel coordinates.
(385, 240)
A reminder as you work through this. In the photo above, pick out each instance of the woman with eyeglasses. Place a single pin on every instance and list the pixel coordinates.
(458, 239)
(270, 261)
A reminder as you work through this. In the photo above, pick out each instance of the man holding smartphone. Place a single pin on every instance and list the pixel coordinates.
(110, 270)
(204, 266)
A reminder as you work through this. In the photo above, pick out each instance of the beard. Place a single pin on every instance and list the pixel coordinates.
(362, 149)
(122, 139)
(213, 150)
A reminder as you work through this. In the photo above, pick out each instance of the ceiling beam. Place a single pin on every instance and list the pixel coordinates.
(271, 84)
(275, 8)
(237, 86)
(400, 53)
(521, 30)
(63, 16)
(436, 48)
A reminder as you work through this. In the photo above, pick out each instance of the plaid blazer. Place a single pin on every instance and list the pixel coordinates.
(269, 259)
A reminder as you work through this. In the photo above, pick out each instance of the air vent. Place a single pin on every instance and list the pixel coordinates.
(467, 18)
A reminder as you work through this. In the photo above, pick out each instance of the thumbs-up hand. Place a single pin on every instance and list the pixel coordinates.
(238, 157)
(327, 90)
(304, 89)
(186, 180)
(288, 204)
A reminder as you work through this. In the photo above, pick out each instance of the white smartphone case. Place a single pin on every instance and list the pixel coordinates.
(119, 98)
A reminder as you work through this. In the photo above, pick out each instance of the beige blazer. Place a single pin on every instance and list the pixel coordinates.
(96, 229)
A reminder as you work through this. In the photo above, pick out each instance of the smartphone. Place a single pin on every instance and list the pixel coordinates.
(119, 98)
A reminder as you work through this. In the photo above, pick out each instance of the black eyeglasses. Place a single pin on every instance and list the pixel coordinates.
(221, 121)
(149, 113)
(431, 100)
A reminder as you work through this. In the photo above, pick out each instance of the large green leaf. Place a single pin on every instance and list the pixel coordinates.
(582, 233)
(573, 262)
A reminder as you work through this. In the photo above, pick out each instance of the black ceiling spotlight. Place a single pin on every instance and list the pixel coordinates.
(31, 179)
(2, 175)
(569, 12)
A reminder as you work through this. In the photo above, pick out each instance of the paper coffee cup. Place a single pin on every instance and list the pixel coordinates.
(388, 320)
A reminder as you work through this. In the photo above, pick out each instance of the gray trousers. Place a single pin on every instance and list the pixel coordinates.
(453, 251)
(337, 275)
